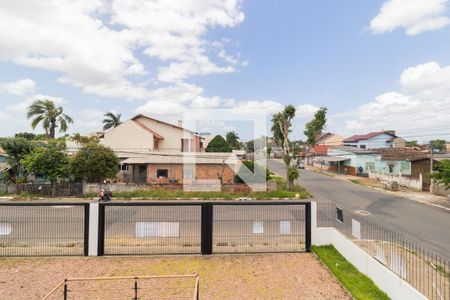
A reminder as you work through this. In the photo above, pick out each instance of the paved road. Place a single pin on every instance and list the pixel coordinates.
(426, 225)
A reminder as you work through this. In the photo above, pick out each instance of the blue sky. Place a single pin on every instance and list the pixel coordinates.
(375, 64)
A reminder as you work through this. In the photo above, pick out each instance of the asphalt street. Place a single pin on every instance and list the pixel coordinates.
(425, 225)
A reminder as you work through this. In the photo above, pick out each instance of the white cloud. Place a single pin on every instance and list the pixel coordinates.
(423, 103)
(21, 107)
(94, 44)
(20, 87)
(306, 110)
(415, 16)
(175, 32)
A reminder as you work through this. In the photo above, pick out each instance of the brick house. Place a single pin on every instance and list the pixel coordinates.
(182, 168)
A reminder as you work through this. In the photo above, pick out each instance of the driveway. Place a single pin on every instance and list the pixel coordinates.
(425, 225)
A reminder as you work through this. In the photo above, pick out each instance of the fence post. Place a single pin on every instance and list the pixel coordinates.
(86, 228)
(65, 289)
(135, 289)
(101, 230)
(308, 227)
(207, 228)
(93, 229)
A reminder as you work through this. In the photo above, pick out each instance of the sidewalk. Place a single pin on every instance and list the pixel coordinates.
(423, 197)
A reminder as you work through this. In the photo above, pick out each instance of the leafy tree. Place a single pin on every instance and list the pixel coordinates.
(250, 146)
(256, 169)
(314, 128)
(233, 140)
(411, 144)
(26, 135)
(293, 174)
(281, 127)
(17, 149)
(443, 174)
(94, 163)
(51, 162)
(84, 140)
(269, 150)
(218, 144)
(111, 120)
(44, 111)
(439, 145)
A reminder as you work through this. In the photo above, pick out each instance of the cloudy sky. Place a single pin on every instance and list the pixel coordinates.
(376, 64)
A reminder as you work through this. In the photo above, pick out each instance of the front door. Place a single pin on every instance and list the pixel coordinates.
(140, 174)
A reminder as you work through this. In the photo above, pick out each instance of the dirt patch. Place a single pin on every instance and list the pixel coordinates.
(277, 276)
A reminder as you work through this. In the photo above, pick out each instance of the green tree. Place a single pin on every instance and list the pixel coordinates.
(439, 145)
(17, 149)
(233, 140)
(443, 172)
(281, 127)
(82, 140)
(254, 168)
(269, 150)
(111, 120)
(314, 128)
(50, 161)
(44, 111)
(292, 174)
(411, 144)
(218, 144)
(94, 163)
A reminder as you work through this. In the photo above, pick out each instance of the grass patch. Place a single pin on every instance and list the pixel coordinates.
(358, 284)
(356, 181)
(180, 194)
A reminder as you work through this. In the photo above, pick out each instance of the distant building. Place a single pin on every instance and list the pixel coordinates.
(330, 139)
(374, 140)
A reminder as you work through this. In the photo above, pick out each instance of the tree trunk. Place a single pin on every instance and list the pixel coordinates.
(53, 188)
(52, 131)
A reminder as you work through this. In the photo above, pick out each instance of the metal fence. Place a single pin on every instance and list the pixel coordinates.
(45, 189)
(28, 229)
(204, 227)
(425, 271)
(128, 287)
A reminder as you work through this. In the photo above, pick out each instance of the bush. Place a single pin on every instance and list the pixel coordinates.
(251, 166)
(218, 144)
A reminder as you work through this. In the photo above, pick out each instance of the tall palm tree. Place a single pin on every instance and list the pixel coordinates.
(111, 120)
(44, 111)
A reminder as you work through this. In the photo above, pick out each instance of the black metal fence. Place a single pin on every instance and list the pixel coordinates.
(45, 189)
(204, 227)
(425, 271)
(28, 229)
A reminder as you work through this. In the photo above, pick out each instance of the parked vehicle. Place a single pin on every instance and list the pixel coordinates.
(301, 165)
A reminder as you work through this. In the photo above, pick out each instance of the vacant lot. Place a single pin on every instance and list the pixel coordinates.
(277, 276)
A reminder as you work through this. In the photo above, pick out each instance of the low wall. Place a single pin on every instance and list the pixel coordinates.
(389, 282)
(439, 189)
(7, 188)
(404, 181)
(89, 188)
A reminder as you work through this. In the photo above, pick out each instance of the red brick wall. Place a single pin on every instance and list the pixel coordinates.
(202, 171)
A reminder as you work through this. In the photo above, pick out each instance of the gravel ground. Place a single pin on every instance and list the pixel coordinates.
(277, 276)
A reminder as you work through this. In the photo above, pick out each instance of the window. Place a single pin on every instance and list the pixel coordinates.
(362, 146)
(188, 173)
(370, 166)
(339, 214)
(391, 168)
(124, 167)
(405, 166)
(162, 173)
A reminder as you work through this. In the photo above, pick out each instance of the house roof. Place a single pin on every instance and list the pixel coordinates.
(323, 137)
(154, 133)
(402, 154)
(361, 137)
(159, 121)
(355, 150)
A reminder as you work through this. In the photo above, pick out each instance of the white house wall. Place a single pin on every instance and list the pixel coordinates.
(128, 136)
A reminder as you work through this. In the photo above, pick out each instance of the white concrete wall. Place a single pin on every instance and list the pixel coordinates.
(415, 184)
(389, 282)
(128, 136)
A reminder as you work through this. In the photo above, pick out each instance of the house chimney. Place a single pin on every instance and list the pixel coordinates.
(180, 123)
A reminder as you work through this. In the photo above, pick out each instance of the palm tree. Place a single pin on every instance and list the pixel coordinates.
(111, 120)
(44, 111)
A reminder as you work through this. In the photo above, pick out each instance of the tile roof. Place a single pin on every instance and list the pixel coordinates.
(355, 150)
(360, 137)
(402, 154)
